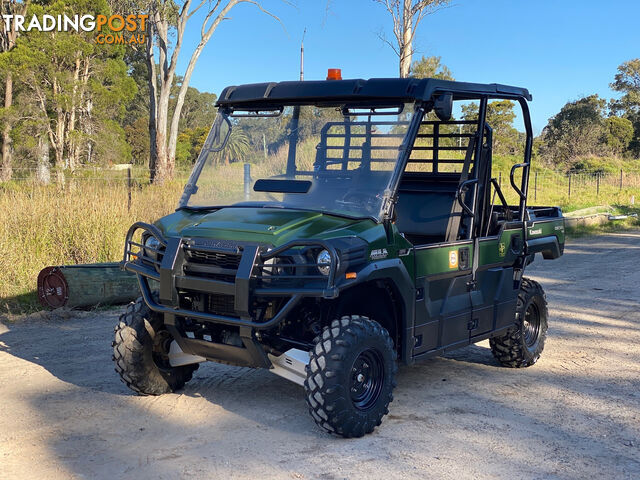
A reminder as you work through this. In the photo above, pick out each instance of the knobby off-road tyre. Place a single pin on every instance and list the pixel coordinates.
(140, 353)
(351, 376)
(522, 346)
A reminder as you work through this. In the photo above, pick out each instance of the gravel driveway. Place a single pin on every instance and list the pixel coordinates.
(576, 414)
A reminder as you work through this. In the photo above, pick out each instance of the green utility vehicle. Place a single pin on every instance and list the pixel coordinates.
(333, 229)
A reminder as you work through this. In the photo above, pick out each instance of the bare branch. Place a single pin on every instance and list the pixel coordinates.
(207, 18)
(193, 12)
(393, 47)
(267, 12)
(406, 16)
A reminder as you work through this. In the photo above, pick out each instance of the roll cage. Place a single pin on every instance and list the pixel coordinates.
(425, 93)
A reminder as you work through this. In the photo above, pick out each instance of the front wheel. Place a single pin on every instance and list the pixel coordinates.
(351, 376)
(141, 353)
(523, 346)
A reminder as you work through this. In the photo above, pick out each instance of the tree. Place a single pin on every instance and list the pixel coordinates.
(500, 117)
(190, 142)
(198, 110)
(619, 134)
(7, 42)
(236, 148)
(430, 67)
(627, 82)
(406, 16)
(138, 139)
(579, 129)
(74, 88)
(169, 19)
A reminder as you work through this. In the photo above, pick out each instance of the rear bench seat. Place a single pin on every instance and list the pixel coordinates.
(424, 206)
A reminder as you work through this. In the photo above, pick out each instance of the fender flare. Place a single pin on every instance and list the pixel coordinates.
(394, 271)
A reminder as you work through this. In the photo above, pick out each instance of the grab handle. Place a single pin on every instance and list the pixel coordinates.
(513, 183)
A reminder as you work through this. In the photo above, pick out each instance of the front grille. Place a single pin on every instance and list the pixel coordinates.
(221, 304)
(222, 260)
(211, 264)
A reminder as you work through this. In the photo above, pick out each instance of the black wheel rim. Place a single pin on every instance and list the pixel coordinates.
(531, 325)
(161, 344)
(367, 378)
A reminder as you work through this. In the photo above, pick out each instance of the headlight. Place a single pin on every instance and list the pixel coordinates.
(324, 262)
(153, 243)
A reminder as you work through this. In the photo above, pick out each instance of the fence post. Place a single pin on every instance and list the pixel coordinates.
(597, 184)
(535, 188)
(129, 189)
(620, 179)
(247, 181)
(500, 179)
(569, 184)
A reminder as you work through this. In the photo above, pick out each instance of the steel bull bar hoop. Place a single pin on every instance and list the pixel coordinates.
(170, 272)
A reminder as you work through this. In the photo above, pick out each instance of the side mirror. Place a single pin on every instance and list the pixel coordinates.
(219, 133)
(443, 106)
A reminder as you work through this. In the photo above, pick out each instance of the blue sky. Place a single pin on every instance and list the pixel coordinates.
(560, 50)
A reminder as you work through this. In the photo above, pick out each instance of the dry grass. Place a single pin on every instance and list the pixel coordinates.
(86, 221)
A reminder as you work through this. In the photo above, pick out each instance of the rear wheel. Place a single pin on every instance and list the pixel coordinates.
(523, 346)
(141, 353)
(351, 376)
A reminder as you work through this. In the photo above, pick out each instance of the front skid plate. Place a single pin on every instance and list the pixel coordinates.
(177, 358)
(291, 365)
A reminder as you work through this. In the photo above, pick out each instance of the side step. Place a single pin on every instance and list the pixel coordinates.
(291, 365)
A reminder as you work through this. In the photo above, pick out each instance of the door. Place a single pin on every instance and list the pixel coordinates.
(495, 291)
(497, 272)
(443, 303)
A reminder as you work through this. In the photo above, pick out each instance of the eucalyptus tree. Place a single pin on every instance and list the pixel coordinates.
(168, 21)
(8, 38)
(406, 16)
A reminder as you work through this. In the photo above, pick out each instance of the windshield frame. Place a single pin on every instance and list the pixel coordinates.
(224, 113)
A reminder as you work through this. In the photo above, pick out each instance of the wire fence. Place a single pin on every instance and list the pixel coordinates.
(574, 185)
(545, 187)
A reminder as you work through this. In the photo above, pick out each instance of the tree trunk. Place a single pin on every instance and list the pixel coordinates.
(406, 47)
(72, 150)
(162, 154)
(164, 169)
(43, 173)
(175, 120)
(152, 81)
(6, 170)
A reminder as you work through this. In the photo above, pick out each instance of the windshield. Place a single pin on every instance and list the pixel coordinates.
(336, 160)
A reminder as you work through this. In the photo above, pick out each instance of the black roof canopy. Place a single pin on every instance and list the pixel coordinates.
(386, 90)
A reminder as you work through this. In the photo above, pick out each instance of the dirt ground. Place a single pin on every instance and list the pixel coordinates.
(576, 414)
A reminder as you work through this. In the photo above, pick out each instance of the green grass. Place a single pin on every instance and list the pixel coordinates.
(612, 226)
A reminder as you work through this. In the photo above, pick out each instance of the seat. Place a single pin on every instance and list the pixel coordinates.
(424, 206)
(423, 217)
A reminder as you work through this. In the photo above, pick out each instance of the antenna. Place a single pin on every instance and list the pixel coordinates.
(302, 54)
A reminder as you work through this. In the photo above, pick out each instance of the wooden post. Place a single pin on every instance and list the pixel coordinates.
(535, 188)
(597, 184)
(569, 184)
(500, 179)
(129, 189)
(620, 179)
